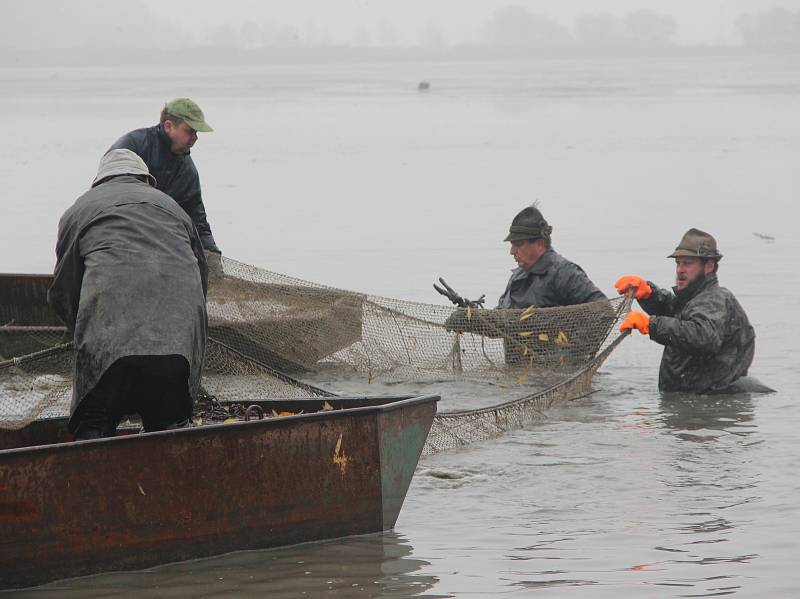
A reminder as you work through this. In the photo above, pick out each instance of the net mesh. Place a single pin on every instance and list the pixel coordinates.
(275, 336)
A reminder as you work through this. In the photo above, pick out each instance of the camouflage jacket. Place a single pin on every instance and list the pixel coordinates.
(708, 341)
(553, 281)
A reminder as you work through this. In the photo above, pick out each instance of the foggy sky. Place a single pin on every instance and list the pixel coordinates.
(49, 24)
(699, 21)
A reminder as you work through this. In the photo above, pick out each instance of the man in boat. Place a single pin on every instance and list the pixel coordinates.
(165, 148)
(542, 279)
(130, 284)
(707, 338)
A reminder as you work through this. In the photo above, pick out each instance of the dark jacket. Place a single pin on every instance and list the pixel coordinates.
(708, 341)
(130, 280)
(553, 281)
(176, 175)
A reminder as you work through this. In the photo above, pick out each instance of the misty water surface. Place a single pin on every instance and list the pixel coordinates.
(346, 175)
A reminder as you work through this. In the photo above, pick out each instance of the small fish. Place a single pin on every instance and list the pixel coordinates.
(526, 333)
(562, 339)
(277, 414)
(522, 378)
(544, 337)
(326, 406)
(469, 312)
(526, 313)
(229, 420)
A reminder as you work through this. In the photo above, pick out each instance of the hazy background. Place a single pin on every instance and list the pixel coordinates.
(630, 121)
(31, 31)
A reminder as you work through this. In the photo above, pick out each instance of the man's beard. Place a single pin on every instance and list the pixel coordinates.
(694, 284)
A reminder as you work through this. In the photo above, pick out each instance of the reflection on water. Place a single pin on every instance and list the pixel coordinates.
(686, 414)
(711, 482)
(377, 565)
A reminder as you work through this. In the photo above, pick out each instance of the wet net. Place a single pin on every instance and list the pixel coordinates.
(275, 336)
(39, 385)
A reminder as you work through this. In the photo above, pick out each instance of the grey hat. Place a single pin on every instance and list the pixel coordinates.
(121, 162)
(529, 224)
(697, 244)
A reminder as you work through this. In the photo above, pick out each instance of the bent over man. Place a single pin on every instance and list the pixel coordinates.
(165, 149)
(707, 338)
(130, 283)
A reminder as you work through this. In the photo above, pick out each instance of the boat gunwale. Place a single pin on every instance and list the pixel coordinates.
(399, 402)
(27, 275)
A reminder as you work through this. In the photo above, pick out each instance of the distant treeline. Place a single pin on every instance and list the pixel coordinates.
(778, 28)
(516, 26)
(114, 36)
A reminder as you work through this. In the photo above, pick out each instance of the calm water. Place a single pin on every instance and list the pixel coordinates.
(347, 175)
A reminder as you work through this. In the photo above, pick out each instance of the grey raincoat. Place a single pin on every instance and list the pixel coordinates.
(130, 280)
(553, 281)
(707, 338)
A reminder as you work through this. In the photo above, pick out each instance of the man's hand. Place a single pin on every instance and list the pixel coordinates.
(214, 261)
(624, 284)
(636, 320)
(457, 321)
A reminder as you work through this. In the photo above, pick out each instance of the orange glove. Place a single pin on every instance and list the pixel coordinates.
(636, 320)
(643, 290)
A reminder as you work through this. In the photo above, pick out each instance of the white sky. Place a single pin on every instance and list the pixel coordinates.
(51, 24)
(699, 21)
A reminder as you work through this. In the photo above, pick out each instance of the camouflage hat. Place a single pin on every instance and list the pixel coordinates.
(185, 109)
(121, 162)
(529, 224)
(696, 244)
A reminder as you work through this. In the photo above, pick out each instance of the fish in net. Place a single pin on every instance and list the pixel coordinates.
(276, 336)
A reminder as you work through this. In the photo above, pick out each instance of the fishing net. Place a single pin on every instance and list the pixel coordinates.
(39, 385)
(300, 326)
(275, 336)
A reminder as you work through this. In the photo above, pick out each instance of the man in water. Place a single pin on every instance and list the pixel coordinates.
(165, 149)
(707, 338)
(130, 283)
(543, 277)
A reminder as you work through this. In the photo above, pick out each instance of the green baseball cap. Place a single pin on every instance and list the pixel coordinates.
(186, 109)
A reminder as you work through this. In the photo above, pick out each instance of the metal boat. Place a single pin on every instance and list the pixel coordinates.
(335, 467)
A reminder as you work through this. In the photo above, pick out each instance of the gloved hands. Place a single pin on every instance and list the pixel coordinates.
(643, 289)
(636, 320)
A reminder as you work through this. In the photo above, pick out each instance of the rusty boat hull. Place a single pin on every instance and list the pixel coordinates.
(138, 500)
